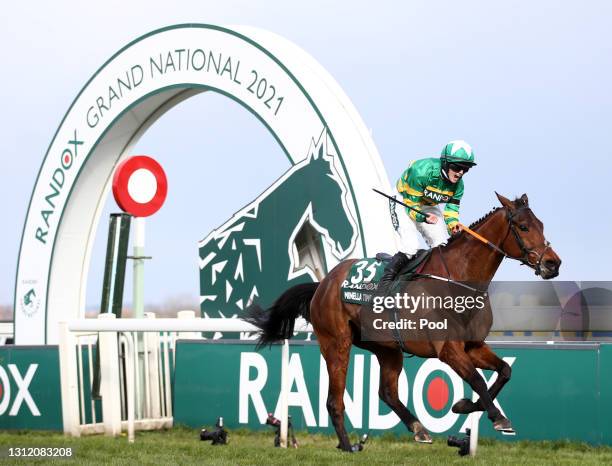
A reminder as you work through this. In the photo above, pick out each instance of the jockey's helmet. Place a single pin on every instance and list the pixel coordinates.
(458, 153)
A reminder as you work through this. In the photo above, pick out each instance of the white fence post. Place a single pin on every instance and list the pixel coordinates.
(129, 384)
(284, 414)
(474, 421)
(152, 355)
(69, 381)
(187, 335)
(109, 380)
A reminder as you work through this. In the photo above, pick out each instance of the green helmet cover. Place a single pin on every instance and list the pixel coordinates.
(459, 152)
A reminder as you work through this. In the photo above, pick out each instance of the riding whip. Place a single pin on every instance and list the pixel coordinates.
(391, 198)
(463, 227)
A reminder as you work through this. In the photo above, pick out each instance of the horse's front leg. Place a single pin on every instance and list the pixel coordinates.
(453, 354)
(483, 357)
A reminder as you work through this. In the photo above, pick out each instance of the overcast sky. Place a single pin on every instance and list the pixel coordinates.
(526, 83)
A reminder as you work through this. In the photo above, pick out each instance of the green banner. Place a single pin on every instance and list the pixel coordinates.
(30, 395)
(556, 391)
(561, 391)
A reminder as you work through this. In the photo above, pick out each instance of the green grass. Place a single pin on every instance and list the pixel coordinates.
(182, 446)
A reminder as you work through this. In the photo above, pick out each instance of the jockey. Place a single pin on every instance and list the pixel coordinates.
(423, 185)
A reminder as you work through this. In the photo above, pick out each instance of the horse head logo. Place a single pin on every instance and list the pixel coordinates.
(284, 237)
(328, 211)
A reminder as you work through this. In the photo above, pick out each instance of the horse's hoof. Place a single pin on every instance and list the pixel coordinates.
(464, 406)
(504, 426)
(344, 448)
(421, 435)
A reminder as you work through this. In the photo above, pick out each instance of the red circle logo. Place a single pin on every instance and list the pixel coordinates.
(140, 186)
(437, 393)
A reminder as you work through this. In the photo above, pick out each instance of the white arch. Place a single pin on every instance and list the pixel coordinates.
(120, 102)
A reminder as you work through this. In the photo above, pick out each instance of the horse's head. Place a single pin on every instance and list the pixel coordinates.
(525, 239)
(330, 212)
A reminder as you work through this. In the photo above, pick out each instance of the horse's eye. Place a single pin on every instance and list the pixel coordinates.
(524, 227)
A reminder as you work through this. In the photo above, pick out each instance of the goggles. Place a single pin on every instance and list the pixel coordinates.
(457, 167)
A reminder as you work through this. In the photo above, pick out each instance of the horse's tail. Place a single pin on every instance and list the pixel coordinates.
(277, 322)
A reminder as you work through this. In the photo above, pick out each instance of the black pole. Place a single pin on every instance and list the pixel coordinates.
(122, 248)
(391, 198)
(114, 278)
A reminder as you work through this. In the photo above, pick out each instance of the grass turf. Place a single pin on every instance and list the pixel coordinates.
(183, 446)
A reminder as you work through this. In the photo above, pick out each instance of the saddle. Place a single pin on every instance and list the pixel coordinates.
(410, 269)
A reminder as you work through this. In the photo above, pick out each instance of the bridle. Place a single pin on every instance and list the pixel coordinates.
(525, 259)
(528, 253)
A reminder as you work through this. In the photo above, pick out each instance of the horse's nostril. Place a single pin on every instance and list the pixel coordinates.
(551, 264)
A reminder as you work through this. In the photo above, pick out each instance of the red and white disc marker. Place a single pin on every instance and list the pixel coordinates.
(140, 186)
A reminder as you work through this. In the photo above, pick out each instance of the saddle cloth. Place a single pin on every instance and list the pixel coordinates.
(361, 283)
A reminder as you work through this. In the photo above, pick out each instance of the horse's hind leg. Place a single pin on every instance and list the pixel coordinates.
(483, 357)
(336, 351)
(391, 362)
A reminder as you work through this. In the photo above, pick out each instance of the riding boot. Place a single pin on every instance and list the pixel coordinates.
(391, 270)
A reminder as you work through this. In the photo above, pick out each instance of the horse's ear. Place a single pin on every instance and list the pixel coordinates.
(507, 203)
(317, 155)
(524, 200)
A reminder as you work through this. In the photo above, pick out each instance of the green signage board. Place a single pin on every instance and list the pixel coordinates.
(556, 391)
(30, 395)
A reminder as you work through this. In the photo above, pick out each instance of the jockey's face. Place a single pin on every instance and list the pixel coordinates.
(454, 176)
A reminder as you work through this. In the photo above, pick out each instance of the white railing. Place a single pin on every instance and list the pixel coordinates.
(136, 395)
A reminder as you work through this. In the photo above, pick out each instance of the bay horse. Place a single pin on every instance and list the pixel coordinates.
(513, 230)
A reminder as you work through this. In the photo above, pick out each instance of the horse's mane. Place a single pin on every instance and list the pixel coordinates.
(475, 224)
(484, 217)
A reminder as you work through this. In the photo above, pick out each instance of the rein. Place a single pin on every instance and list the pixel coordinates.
(483, 239)
(527, 252)
(524, 259)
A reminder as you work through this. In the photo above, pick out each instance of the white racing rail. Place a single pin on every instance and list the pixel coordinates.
(135, 370)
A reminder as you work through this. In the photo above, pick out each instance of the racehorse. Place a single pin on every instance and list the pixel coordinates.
(512, 230)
